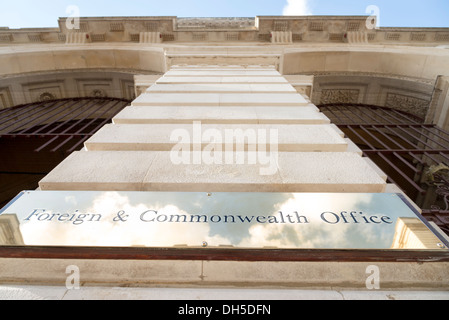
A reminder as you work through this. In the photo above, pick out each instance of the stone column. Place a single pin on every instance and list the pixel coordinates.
(218, 129)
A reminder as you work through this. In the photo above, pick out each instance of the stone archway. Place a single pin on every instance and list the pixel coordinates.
(36, 137)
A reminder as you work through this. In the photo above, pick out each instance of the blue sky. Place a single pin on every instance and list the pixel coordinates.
(392, 13)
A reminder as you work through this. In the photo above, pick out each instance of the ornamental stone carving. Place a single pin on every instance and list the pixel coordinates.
(281, 37)
(98, 93)
(339, 96)
(408, 104)
(150, 37)
(77, 38)
(215, 23)
(358, 37)
(46, 96)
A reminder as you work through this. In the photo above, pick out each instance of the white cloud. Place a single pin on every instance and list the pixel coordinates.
(297, 8)
(107, 233)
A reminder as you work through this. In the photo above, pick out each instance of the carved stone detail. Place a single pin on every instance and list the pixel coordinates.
(408, 104)
(339, 96)
(281, 37)
(359, 37)
(46, 96)
(77, 38)
(98, 93)
(150, 37)
(215, 23)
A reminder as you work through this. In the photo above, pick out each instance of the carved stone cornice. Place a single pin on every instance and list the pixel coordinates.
(311, 29)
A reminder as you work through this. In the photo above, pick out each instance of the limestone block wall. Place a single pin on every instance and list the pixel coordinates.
(218, 129)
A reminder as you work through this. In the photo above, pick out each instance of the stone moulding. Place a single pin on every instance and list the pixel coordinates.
(330, 29)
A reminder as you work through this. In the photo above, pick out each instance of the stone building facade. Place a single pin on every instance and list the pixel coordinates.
(255, 73)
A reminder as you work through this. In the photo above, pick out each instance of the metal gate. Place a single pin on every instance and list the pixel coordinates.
(414, 155)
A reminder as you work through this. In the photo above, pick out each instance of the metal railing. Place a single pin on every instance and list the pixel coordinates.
(65, 124)
(404, 147)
